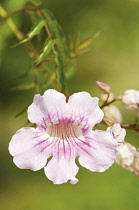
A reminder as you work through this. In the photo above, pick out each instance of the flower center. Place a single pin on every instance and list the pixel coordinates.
(64, 131)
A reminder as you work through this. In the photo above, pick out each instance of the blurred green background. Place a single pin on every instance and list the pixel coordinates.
(114, 59)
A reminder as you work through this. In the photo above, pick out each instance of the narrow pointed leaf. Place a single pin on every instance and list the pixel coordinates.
(36, 2)
(60, 73)
(77, 41)
(48, 15)
(70, 70)
(33, 32)
(56, 30)
(46, 50)
(87, 42)
(70, 42)
(61, 48)
(24, 87)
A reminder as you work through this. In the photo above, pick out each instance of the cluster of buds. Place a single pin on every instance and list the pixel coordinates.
(128, 155)
(111, 112)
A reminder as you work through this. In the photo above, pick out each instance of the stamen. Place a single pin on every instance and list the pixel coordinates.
(64, 131)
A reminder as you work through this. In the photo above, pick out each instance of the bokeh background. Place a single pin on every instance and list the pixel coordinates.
(114, 59)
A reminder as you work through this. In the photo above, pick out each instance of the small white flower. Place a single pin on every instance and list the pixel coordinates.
(128, 158)
(117, 132)
(64, 132)
(113, 114)
(130, 99)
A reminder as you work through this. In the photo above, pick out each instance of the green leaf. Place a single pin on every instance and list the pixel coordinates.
(81, 48)
(70, 70)
(48, 15)
(56, 30)
(35, 2)
(70, 42)
(61, 47)
(46, 50)
(77, 41)
(60, 72)
(33, 32)
(24, 87)
(87, 42)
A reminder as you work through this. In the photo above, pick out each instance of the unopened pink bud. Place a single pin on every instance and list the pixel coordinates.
(105, 88)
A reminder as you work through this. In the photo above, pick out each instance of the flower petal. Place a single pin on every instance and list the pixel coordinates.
(23, 140)
(62, 167)
(45, 109)
(30, 148)
(100, 155)
(60, 171)
(30, 160)
(85, 110)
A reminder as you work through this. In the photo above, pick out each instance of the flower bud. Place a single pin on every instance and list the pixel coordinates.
(130, 99)
(117, 132)
(113, 114)
(128, 158)
(105, 88)
(104, 97)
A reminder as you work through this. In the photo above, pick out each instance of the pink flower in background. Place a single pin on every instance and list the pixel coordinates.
(64, 132)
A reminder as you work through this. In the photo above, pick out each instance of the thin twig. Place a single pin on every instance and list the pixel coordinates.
(131, 127)
(108, 103)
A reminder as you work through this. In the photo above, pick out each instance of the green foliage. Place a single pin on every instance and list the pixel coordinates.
(60, 72)
(78, 48)
(35, 2)
(33, 32)
(46, 50)
(55, 60)
(24, 87)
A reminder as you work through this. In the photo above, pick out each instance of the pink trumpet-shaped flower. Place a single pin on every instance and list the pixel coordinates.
(64, 131)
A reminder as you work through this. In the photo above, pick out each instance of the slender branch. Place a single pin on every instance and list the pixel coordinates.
(52, 78)
(36, 80)
(108, 103)
(131, 127)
